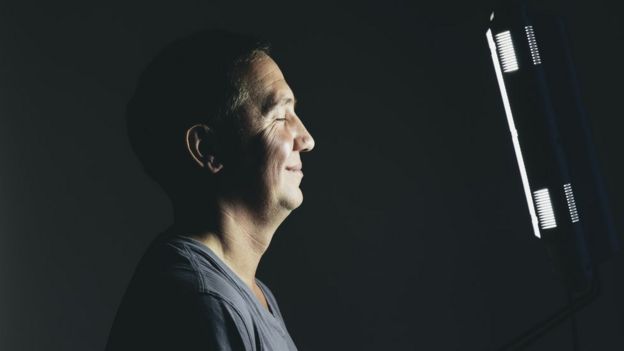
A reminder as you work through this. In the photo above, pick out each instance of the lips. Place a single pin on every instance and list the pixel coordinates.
(295, 169)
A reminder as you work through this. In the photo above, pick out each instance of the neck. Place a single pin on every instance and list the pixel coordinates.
(238, 236)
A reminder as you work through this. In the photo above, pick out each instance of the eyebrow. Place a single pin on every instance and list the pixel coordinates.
(277, 100)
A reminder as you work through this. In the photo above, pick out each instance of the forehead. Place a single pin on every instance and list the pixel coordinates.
(267, 81)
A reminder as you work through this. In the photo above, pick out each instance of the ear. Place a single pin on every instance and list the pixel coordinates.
(201, 144)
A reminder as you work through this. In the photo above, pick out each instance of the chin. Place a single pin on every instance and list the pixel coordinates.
(292, 201)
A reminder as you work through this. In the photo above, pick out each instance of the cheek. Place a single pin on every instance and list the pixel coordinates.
(278, 149)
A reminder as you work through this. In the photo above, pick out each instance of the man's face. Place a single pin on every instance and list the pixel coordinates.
(274, 137)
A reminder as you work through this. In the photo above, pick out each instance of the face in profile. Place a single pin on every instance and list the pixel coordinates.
(274, 137)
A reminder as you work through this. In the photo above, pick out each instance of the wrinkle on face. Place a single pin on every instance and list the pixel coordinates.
(270, 135)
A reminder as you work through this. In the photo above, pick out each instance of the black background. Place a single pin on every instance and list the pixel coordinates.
(414, 232)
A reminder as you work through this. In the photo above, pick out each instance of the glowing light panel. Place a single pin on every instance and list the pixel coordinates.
(545, 210)
(514, 133)
(574, 216)
(507, 52)
(535, 55)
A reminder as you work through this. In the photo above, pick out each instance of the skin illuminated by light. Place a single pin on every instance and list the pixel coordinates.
(261, 182)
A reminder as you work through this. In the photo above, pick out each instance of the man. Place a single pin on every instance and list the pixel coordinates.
(213, 122)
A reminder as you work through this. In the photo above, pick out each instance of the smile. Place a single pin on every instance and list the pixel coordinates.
(296, 168)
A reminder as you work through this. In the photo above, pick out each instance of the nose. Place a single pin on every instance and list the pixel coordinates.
(303, 139)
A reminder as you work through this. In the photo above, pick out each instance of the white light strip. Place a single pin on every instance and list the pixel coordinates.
(533, 45)
(514, 133)
(507, 51)
(567, 188)
(544, 209)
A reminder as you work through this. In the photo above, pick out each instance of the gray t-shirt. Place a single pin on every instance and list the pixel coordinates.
(183, 297)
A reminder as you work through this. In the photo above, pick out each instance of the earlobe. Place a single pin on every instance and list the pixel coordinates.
(200, 143)
(213, 165)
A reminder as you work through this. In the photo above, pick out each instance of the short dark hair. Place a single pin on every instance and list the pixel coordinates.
(196, 79)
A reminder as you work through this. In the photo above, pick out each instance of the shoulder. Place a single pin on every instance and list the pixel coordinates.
(177, 299)
(192, 275)
(210, 318)
(191, 267)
